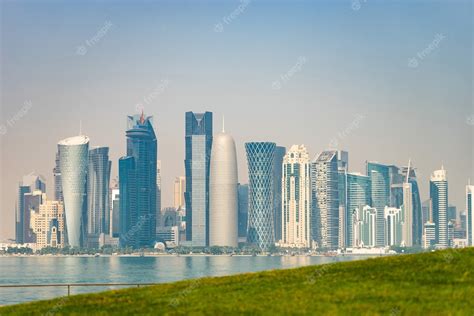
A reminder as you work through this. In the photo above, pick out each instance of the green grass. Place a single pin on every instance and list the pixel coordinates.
(440, 283)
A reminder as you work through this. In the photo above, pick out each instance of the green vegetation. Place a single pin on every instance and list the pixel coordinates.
(438, 283)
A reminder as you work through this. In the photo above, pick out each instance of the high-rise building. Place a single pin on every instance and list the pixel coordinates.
(364, 221)
(429, 234)
(393, 226)
(98, 181)
(280, 152)
(58, 190)
(48, 224)
(223, 203)
(260, 160)
(325, 200)
(179, 189)
(407, 215)
(439, 204)
(243, 194)
(396, 186)
(73, 163)
(358, 196)
(344, 218)
(158, 193)
(296, 199)
(198, 134)
(115, 213)
(29, 184)
(470, 214)
(380, 196)
(409, 174)
(31, 203)
(137, 184)
(452, 213)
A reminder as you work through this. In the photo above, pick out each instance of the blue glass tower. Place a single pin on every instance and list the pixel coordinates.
(416, 204)
(380, 196)
(358, 196)
(137, 178)
(260, 159)
(198, 135)
(98, 181)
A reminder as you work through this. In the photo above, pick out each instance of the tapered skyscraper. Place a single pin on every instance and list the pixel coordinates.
(197, 166)
(439, 204)
(137, 179)
(73, 163)
(223, 210)
(260, 159)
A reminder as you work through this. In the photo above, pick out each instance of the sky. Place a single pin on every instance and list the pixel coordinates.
(387, 81)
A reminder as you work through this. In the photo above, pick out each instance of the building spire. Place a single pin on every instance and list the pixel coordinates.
(223, 124)
(142, 118)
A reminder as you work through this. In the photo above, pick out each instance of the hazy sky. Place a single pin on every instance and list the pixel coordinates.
(385, 80)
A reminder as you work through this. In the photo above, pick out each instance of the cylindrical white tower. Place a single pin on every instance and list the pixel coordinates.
(223, 192)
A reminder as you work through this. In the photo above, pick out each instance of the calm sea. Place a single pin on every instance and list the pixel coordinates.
(49, 270)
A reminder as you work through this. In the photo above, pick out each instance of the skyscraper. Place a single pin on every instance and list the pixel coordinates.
(260, 160)
(29, 184)
(344, 218)
(73, 163)
(358, 196)
(243, 194)
(179, 189)
(380, 195)
(277, 198)
(98, 181)
(393, 226)
(409, 174)
(325, 199)
(58, 193)
(158, 192)
(137, 184)
(223, 209)
(364, 221)
(439, 202)
(296, 199)
(470, 214)
(198, 136)
(31, 203)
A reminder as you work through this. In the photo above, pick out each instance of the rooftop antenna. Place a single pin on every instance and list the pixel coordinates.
(408, 171)
(223, 124)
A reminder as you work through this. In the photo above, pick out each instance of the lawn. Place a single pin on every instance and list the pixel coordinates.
(432, 283)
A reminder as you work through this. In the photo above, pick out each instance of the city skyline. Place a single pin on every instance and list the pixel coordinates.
(350, 108)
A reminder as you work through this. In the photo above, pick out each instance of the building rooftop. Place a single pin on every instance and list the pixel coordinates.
(75, 140)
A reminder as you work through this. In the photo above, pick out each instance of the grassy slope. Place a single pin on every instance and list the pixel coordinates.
(433, 283)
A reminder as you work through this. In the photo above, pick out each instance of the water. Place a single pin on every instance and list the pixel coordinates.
(49, 270)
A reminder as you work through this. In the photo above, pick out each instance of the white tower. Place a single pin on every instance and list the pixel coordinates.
(223, 223)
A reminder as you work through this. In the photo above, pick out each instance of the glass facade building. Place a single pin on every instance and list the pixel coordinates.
(325, 200)
(358, 196)
(260, 160)
(73, 163)
(98, 181)
(137, 184)
(439, 202)
(243, 195)
(470, 214)
(198, 142)
(380, 196)
(277, 181)
(409, 174)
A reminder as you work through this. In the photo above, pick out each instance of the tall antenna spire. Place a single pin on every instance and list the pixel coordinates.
(223, 124)
(408, 171)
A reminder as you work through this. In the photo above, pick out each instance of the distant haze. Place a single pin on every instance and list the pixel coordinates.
(384, 80)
